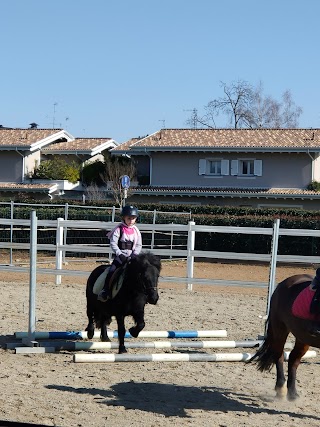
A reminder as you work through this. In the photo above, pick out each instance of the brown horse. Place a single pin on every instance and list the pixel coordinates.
(283, 320)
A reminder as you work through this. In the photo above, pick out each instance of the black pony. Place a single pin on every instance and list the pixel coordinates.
(139, 286)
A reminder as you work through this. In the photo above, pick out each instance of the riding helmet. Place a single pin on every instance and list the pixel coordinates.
(129, 210)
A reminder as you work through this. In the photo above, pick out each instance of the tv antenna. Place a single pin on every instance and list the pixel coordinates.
(54, 115)
(193, 121)
(163, 123)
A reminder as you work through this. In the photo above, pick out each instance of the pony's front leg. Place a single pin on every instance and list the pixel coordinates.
(90, 330)
(296, 354)
(104, 330)
(121, 334)
(90, 315)
(281, 388)
(139, 320)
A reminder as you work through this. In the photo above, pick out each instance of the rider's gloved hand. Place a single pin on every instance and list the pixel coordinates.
(123, 258)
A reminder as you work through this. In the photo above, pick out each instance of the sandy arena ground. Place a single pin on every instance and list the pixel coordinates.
(51, 390)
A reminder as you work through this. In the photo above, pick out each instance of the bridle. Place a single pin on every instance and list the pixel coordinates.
(145, 288)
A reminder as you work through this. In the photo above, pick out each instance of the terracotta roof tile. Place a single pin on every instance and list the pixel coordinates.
(24, 137)
(220, 190)
(226, 138)
(20, 186)
(78, 144)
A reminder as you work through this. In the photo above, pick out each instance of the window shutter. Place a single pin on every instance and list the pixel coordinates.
(224, 167)
(234, 167)
(202, 166)
(257, 168)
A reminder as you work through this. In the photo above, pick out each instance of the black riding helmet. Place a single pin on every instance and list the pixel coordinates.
(129, 210)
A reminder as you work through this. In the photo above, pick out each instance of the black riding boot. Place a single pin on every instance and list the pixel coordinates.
(315, 329)
(105, 294)
(315, 304)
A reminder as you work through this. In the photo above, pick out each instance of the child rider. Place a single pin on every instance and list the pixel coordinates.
(125, 242)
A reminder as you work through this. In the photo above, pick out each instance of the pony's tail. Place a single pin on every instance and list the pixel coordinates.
(265, 357)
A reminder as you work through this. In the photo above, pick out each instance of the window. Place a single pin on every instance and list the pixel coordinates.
(246, 167)
(213, 167)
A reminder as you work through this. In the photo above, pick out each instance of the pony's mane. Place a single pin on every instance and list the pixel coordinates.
(149, 257)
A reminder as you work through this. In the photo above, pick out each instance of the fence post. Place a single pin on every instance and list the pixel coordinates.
(59, 242)
(66, 214)
(190, 258)
(273, 261)
(171, 241)
(152, 233)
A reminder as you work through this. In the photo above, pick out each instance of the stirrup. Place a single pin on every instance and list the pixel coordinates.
(103, 296)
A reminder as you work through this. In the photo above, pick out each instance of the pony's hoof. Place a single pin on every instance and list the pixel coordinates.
(105, 339)
(292, 397)
(134, 332)
(122, 349)
(90, 333)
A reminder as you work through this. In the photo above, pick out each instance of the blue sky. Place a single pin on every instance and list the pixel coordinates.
(125, 68)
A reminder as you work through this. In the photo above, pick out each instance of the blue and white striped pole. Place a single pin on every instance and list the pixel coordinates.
(114, 334)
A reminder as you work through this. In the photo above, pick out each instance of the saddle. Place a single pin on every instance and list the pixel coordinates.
(307, 304)
(115, 282)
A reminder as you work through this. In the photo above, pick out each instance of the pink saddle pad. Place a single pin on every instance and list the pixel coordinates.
(301, 305)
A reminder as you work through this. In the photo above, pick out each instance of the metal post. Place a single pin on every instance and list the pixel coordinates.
(59, 241)
(190, 258)
(171, 241)
(152, 232)
(30, 341)
(125, 195)
(11, 231)
(273, 261)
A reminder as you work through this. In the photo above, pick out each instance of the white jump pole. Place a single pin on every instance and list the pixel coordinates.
(171, 357)
(91, 345)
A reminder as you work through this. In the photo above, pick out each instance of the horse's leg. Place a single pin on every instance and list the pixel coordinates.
(121, 334)
(138, 317)
(90, 315)
(90, 330)
(279, 338)
(280, 387)
(105, 321)
(296, 354)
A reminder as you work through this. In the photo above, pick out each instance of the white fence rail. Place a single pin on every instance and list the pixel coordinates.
(61, 248)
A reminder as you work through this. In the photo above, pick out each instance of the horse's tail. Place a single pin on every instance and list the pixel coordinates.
(265, 357)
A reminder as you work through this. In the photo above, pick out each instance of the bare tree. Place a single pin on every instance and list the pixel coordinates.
(266, 112)
(93, 193)
(290, 112)
(246, 107)
(196, 120)
(115, 168)
(235, 104)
